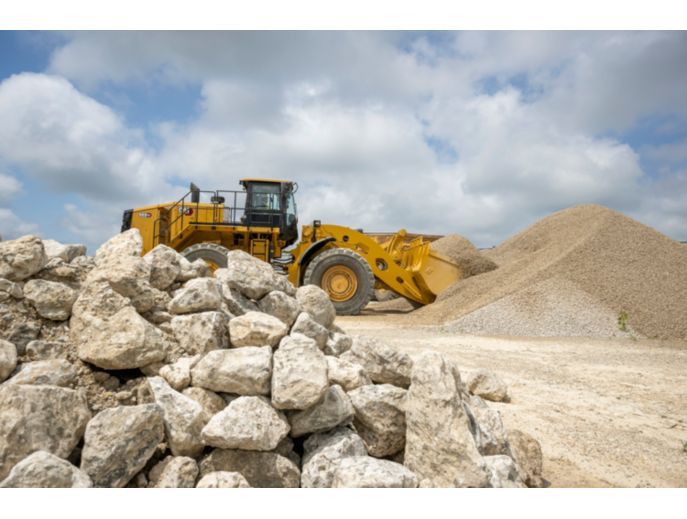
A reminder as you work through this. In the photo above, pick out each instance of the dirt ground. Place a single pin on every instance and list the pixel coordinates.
(607, 412)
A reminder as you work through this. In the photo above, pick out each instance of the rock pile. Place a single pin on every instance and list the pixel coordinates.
(120, 370)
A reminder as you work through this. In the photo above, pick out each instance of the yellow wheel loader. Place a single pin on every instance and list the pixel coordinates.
(261, 219)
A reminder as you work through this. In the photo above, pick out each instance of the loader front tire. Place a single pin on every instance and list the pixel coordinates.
(214, 255)
(345, 276)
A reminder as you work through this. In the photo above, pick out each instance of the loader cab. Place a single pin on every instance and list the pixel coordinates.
(270, 203)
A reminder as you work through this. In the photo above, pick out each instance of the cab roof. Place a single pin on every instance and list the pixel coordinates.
(274, 180)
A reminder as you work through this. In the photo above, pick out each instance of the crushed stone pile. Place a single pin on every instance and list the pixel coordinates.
(586, 270)
(463, 253)
(127, 371)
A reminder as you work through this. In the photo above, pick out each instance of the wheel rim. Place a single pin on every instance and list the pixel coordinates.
(340, 283)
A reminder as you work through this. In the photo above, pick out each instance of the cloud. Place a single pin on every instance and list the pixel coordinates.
(11, 226)
(9, 188)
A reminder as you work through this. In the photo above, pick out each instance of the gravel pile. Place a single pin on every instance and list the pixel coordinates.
(462, 252)
(622, 268)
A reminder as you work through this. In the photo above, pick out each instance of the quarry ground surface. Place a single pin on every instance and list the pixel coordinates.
(607, 412)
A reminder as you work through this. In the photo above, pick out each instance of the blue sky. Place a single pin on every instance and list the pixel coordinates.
(478, 133)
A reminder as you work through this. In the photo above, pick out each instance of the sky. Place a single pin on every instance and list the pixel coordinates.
(475, 133)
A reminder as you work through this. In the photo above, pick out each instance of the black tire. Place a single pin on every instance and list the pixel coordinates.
(353, 261)
(214, 255)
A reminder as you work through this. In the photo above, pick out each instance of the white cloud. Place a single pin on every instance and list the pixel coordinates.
(11, 226)
(9, 187)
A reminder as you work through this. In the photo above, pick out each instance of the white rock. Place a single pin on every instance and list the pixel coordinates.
(337, 344)
(186, 270)
(382, 363)
(242, 371)
(223, 479)
(334, 409)
(324, 451)
(440, 448)
(46, 350)
(527, 454)
(306, 325)
(178, 472)
(184, 418)
(260, 469)
(44, 470)
(118, 443)
(55, 372)
(368, 472)
(212, 403)
(128, 276)
(348, 375)
(178, 375)
(128, 243)
(21, 258)
(165, 266)
(299, 374)
(256, 329)
(503, 472)
(9, 290)
(197, 295)
(487, 385)
(380, 418)
(202, 332)
(316, 302)
(96, 303)
(248, 423)
(283, 307)
(66, 252)
(48, 418)
(51, 300)
(250, 276)
(489, 432)
(8, 359)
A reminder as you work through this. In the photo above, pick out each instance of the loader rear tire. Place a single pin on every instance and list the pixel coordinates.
(345, 276)
(214, 255)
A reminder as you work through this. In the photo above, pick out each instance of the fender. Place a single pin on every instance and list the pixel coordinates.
(308, 255)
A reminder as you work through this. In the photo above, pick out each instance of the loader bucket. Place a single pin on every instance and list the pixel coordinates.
(434, 272)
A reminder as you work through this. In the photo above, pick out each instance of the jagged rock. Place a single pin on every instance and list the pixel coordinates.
(348, 375)
(44, 470)
(334, 409)
(51, 300)
(440, 448)
(21, 258)
(337, 344)
(223, 479)
(55, 372)
(164, 265)
(128, 276)
(9, 290)
(118, 443)
(368, 472)
(286, 449)
(324, 451)
(184, 418)
(299, 374)
(178, 375)
(488, 429)
(316, 302)
(487, 385)
(66, 252)
(187, 270)
(526, 452)
(201, 267)
(248, 423)
(8, 359)
(124, 341)
(197, 295)
(250, 276)
(200, 333)
(235, 301)
(503, 472)
(306, 325)
(283, 307)
(96, 303)
(380, 418)
(242, 371)
(212, 403)
(382, 363)
(256, 329)
(46, 350)
(178, 472)
(48, 418)
(23, 332)
(260, 469)
(128, 243)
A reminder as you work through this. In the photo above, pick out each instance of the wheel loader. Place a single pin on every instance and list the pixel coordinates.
(261, 219)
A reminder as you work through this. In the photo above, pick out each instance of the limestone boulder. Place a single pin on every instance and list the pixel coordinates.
(10, 290)
(337, 344)
(250, 276)
(324, 451)
(368, 472)
(235, 302)
(118, 443)
(65, 252)
(527, 454)
(21, 258)
(223, 479)
(184, 418)
(260, 469)
(299, 374)
(488, 431)
(129, 276)
(256, 329)
(503, 472)
(487, 385)
(128, 243)
(306, 325)
(380, 418)
(440, 448)
(51, 300)
(96, 303)
(279, 305)
(382, 363)
(178, 472)
(200, 333)
(348, 375)
(55, 372)
(46, 350)
(8, 359)
(212, 403)
(22, 331)
(197, 295)
(334, 409)
(241, 371)
(165, 266)
(45, 470)
(248, 423)
(316, 302)
(178, 374)
(48, 418)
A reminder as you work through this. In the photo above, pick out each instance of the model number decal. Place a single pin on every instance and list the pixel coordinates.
(145, 215)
